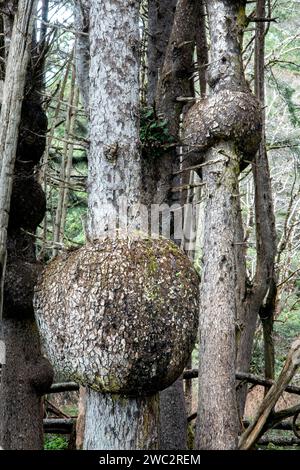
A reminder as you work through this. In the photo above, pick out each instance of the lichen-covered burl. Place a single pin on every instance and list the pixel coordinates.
(120, 316)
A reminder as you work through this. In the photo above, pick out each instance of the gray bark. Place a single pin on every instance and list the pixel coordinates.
(260, 297)
(217, 412)
(175, 81)
(80, 422)
(82, 60)
(115, 172)
(114, 157)
(82, 48)
(202, 48)
(9, 9)
(116, 422)
(226, 21)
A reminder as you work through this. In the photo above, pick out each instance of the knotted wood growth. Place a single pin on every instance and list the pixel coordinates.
(25, 364)
(26, 374)
(119, 316)
(227, 116)
(222, 134)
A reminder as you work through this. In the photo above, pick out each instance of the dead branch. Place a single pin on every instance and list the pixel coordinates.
(252, 434)
(63, 387)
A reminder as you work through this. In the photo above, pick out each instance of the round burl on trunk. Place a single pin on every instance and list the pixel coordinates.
(225, 116)
(119, 315)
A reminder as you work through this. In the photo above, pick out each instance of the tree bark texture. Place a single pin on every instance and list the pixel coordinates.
(260, 297)
(117, 422)
(265, 218)
(221, 131)
(114, 157)
(202, 48)
(26, 374)
(217, 412)
(82, 49)
(25, 378)
(160, 23)
(115, 173)
(175, 81)
(173, 418)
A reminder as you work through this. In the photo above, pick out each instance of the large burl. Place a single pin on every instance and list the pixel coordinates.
(119, 315)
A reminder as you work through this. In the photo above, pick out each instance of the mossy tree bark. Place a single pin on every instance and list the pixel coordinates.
(26, 375)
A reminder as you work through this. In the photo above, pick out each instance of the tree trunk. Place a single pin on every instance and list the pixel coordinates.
(11, 116)
(80, 422)
(114, 157)
(82, 48)
(202, 48)
(9, 10)
(173, 418)
(223, 131)
(264, 281)
(175, 81)
(116, 422)
(217, 412)
(160, 22)
(265, 226)
(23, 384)
(26, 375)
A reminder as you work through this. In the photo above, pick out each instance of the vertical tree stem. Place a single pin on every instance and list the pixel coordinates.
(10, 116)
(266, 235)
